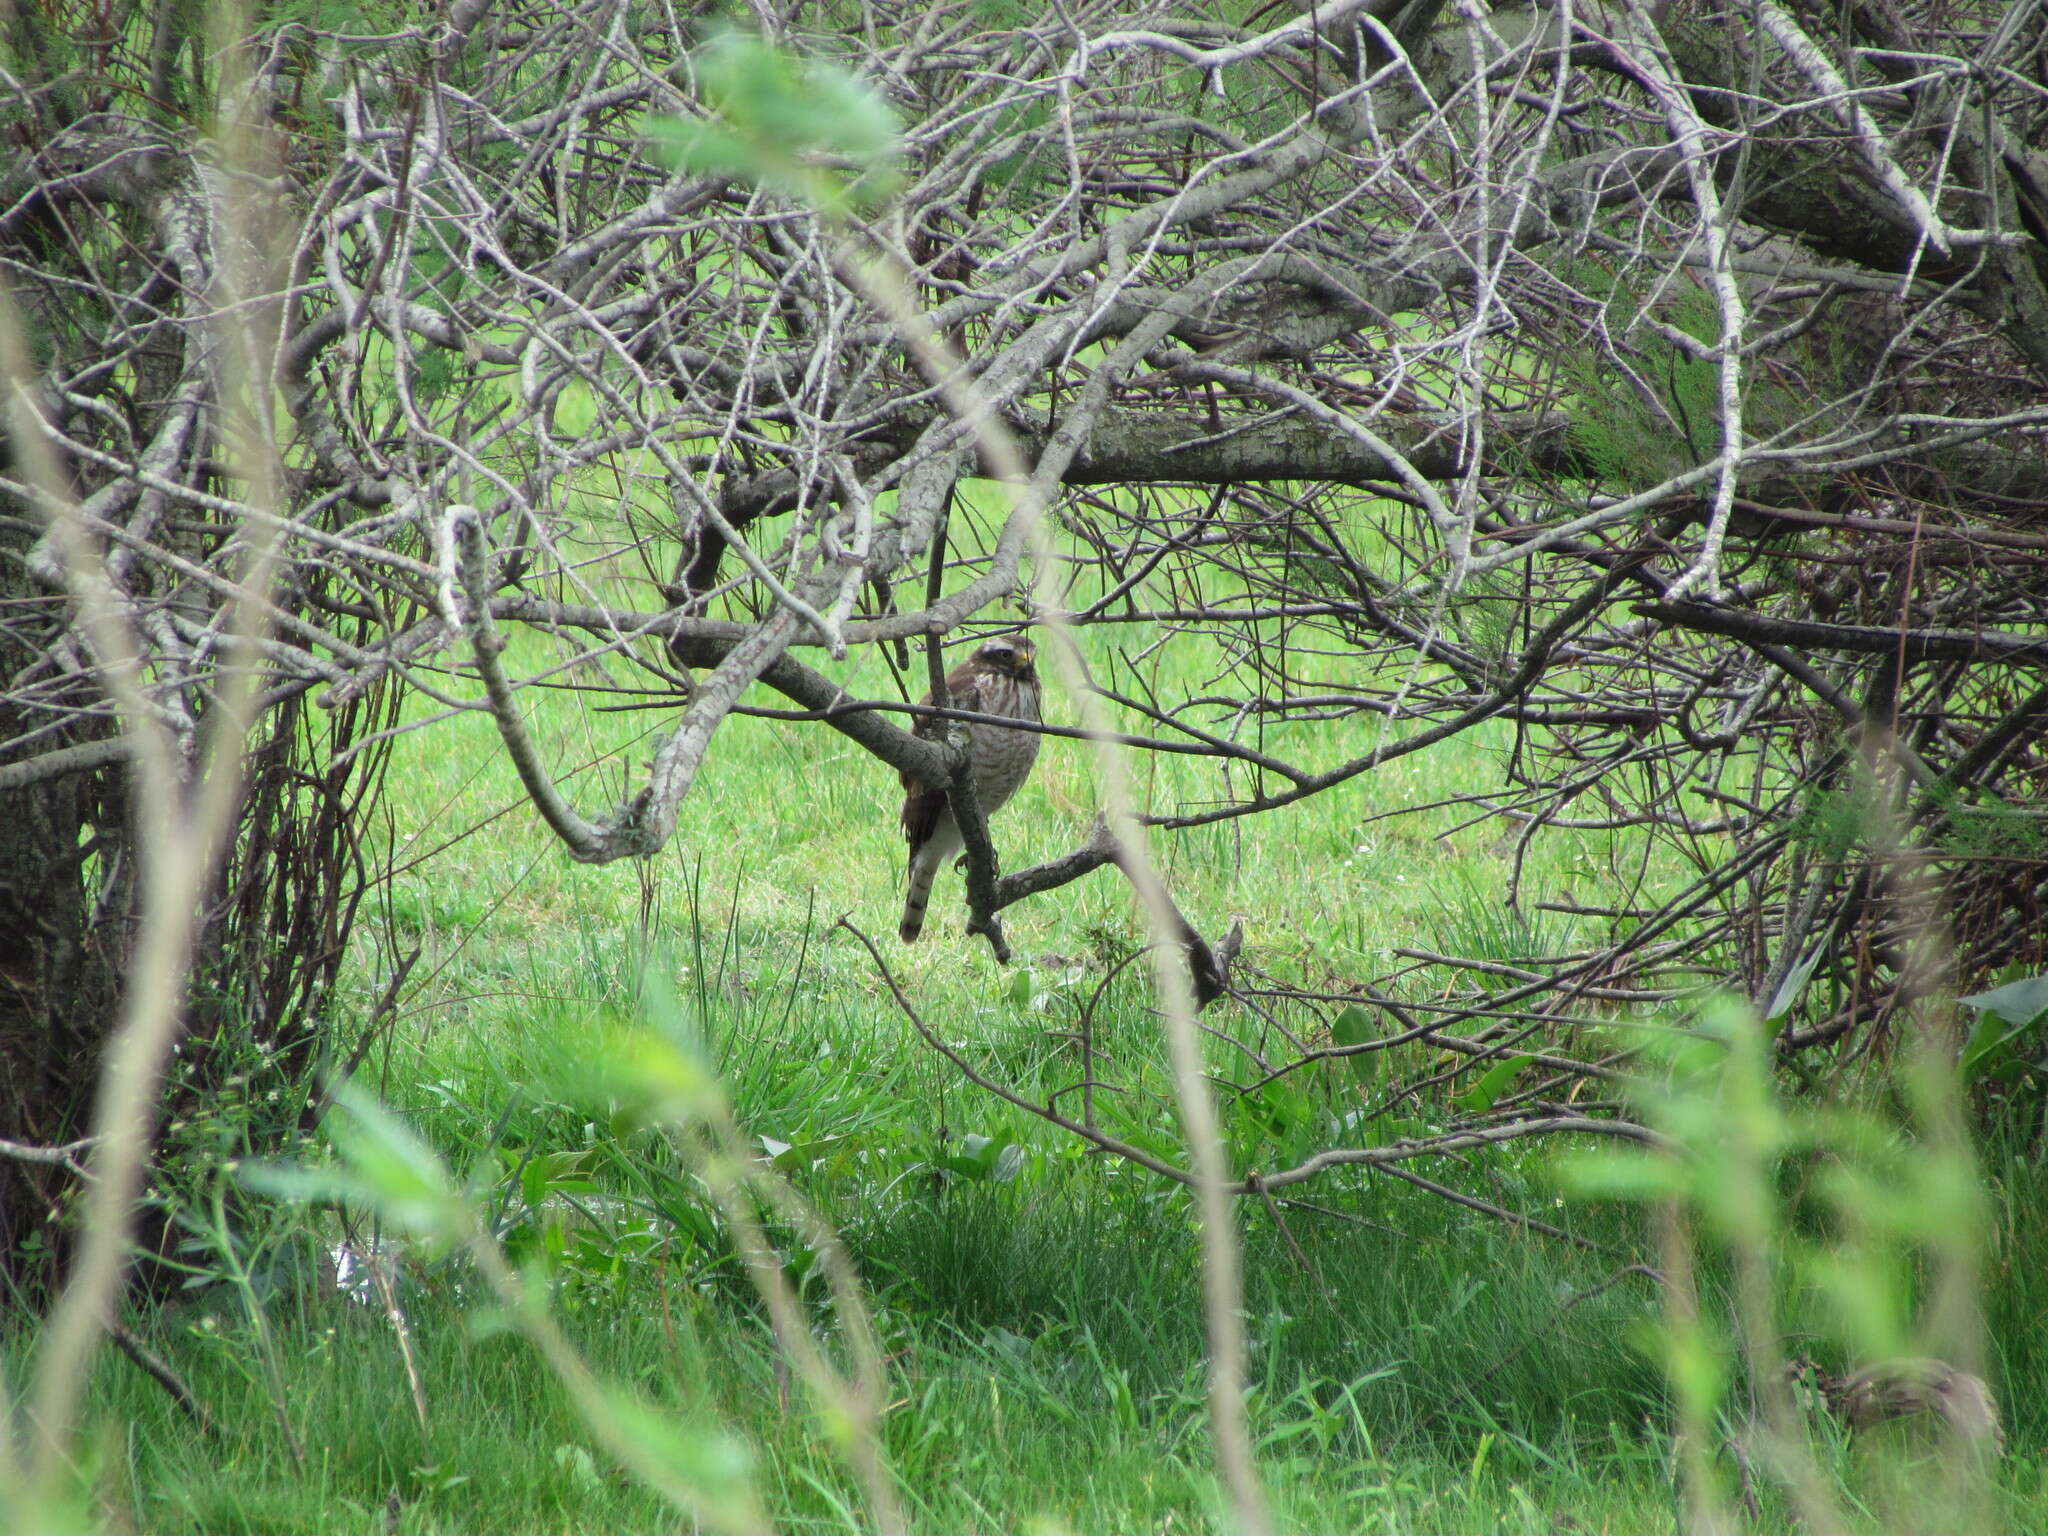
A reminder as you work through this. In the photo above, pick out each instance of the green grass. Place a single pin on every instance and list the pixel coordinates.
(1412, 1372)
(1414, 1369)
(989, 1427)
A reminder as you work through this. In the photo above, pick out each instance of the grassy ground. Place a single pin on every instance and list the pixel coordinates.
(1414, 1369)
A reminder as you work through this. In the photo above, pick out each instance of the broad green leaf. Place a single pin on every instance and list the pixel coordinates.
(283, 1180)
(649, 1079)
(1698, 1371)
(1981, 1052)
(1353, 1026)
(546, 1173)
(1154, 1143)
(384, 1166)
(1280, 1107)
(2019, 1003)
(1482, 1095)
(2003, 1014)
(394, 1171)
(996, 1159)
(1794, 984)
(1019, 989)
(1871, 1296)
(703, 1467)
(1624, 1175)
(777, 119)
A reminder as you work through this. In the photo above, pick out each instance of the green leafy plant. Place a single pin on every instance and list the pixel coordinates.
(1855, 1229)
(807, 128)
(2005, 1016)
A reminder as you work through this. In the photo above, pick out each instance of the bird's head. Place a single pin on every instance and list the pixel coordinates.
(1808, 1385)
(1013, 655)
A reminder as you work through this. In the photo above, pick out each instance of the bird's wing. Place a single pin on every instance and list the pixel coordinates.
(921, 811)
(922, 804)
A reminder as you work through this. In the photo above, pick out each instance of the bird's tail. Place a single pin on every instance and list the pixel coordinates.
(927, 858)
(917, 898)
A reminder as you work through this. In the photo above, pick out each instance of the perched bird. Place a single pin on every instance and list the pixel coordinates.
(998, 679)
(1897, 1389)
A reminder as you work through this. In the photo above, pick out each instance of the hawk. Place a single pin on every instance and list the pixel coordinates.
(1897, 1389)
(998, 679)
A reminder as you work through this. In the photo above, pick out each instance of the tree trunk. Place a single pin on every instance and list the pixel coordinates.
(66, 904)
